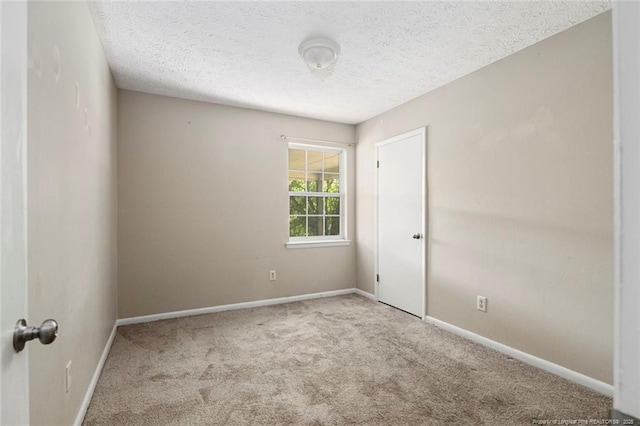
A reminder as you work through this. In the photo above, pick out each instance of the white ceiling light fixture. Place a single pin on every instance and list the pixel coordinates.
(320, 55)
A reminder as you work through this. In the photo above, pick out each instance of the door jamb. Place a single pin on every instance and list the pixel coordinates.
(421, 131)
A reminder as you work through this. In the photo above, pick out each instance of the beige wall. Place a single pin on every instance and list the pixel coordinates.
(520, 204)
(71, 204)
(203, 207)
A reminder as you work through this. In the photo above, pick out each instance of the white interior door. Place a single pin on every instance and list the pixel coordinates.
(401, 222)
(14, 374)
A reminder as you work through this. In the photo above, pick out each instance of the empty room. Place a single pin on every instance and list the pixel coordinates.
(306, 213)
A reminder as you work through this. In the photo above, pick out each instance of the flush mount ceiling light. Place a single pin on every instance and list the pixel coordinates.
(320, 54)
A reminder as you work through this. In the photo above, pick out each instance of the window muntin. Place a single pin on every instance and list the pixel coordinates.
(316, 193)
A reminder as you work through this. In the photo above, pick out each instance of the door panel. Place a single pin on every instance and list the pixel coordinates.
(14, 378)
(400, 220)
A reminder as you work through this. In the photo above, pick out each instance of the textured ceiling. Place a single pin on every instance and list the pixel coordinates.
(246, 53)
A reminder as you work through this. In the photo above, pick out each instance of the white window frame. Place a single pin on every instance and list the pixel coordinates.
(325, 240)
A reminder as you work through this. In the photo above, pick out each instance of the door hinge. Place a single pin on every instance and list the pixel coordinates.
(377, 278)
(378, 164)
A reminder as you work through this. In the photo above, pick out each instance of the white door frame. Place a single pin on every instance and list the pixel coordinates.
(422, 131)
(626, 371)
(14, 371)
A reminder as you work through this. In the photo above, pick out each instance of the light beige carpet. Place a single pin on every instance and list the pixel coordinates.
(341, 360)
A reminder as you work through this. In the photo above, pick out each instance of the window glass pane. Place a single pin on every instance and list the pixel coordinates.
(296, 181)
(332, 225)
(316, 205)
(331, 183)
(331, 162)
(315, 226)
(297, 226)
(296, 159)
(314, 185)
(314, 182)
(314, 161)
(333, 205)
(297, 204)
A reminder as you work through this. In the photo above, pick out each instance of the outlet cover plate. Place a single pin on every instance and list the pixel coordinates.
(67, 379)
(481, 303)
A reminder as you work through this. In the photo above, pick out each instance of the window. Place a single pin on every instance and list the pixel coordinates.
(316, 193)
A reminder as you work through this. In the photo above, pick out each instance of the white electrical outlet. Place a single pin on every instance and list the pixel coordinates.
(272, 275)
(481, 303)
(67, 380)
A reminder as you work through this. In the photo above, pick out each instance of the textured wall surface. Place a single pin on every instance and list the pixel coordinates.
(520, 198)
(203, 207)
(246, 53)
(71, 203)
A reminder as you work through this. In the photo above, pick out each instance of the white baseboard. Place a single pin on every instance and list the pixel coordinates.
(540, 363)
(233, 306)
(366, 294)
(94, 380)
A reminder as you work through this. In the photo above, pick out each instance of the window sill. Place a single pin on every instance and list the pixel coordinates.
(312, 244)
